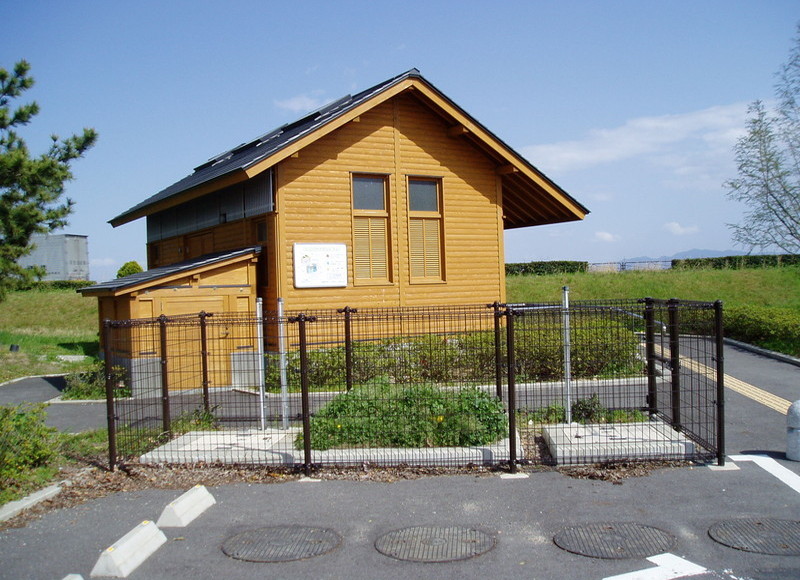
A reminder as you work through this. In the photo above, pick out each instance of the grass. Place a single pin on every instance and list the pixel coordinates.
(46, 324)
(772, 287)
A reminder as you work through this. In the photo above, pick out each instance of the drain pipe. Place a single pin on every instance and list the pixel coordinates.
(567, 353)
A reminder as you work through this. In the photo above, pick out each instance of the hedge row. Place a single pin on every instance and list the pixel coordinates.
(772, 328)
(53, 285)
(544, 268)
(737, 262)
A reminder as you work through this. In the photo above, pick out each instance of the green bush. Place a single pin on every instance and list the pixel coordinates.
(91, 384)
(737, 262)
(47, 285)
(584, 411)
(129, 268)
(25, 441)
(391, 415)
(546, 268)
(772, 328)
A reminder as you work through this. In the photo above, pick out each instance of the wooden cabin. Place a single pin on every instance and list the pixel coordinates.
(391, 197)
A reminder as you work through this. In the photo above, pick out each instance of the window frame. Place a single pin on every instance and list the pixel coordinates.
(427, 216)
(370, 215)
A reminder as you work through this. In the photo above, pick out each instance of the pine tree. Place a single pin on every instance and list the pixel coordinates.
(31, 187)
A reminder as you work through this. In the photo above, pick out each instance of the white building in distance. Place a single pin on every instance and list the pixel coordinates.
(64, 256)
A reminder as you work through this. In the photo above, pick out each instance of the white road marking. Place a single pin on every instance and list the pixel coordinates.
(668, 566)
(771, 466)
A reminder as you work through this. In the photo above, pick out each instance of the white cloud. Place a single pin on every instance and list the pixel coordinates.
(302, 103)
(606, 237)
(673, 140)
(677, 229)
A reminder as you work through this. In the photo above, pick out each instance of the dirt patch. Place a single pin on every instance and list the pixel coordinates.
(616, 471)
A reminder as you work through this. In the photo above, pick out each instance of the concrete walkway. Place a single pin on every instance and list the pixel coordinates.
(521, 516)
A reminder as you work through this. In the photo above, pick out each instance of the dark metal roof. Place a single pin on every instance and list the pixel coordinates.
(165, 271)
(247, 154)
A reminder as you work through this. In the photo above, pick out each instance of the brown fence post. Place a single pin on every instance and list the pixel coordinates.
(348, 344)
(719, 335)
(166, 422)
(204, 358)
(675, 360)
(650, 353)
(110, 414)
(498, 355)
(512, 392)
(301, 320)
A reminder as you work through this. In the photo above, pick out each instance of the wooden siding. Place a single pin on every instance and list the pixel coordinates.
(400, 138)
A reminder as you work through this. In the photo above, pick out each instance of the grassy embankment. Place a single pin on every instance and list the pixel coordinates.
(762, 305)
(45, 324)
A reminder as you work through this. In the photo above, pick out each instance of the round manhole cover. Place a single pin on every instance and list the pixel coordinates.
(761, 535)
(614, 540)
(281, 544)
(434, 544)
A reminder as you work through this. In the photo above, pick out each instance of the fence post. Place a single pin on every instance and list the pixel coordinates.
(166, 422)
(650, 354)
(718, 331)
(301, 320)
(512, 391)
(348, 344)
(675, 360)
(566, 337)
(498, 355)
(204, 358)
(110, 415)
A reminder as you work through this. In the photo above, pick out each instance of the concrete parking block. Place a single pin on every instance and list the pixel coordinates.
(186, 508)
(128, 553)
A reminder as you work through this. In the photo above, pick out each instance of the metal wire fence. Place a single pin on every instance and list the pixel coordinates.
(498, 384)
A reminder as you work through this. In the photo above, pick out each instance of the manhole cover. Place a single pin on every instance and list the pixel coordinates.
(281, 544)
(761, 535)
(434, 544)
(614, 540)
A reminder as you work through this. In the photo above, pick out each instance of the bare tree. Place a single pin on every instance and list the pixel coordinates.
(768, 162)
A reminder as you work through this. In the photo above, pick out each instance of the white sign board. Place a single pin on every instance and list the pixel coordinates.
(320, 265)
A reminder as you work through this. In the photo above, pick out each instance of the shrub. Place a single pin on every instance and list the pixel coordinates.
(737, 262)
(584, 411)
(772, 328)
(91, 384)
(390, 415)
(25, 441)
(546, 268)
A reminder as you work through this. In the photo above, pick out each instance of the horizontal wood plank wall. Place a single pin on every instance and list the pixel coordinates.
(399, 138)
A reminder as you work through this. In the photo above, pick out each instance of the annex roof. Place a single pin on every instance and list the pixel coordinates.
(529, 197)
(165, 274)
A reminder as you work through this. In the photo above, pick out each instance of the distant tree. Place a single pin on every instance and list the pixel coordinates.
(129, 268)
(768, 161)
(30, 187)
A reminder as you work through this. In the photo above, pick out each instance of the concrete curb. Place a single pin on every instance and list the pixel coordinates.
(764, 352)
(14, 508)
(32, 377)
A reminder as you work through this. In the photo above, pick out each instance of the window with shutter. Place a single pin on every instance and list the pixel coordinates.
(371, 259)
(425, 230)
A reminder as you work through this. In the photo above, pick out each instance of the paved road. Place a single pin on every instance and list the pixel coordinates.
(521, 515)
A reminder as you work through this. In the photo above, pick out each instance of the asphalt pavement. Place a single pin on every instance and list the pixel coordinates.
(519, 522)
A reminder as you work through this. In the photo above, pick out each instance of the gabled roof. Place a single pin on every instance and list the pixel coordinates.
(165, 274)
(529, 197)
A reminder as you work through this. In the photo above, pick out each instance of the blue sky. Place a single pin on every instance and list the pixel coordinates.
(631, 106)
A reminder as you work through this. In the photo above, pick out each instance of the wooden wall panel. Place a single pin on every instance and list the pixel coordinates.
(399, 138)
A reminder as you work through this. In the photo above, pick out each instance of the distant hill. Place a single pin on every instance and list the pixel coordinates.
(687, 255)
